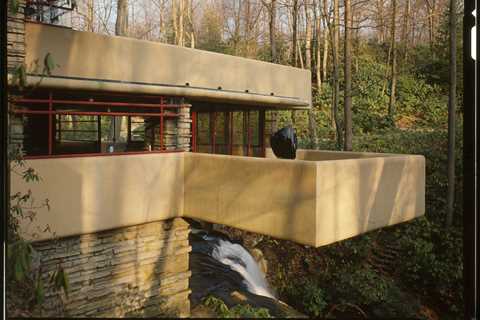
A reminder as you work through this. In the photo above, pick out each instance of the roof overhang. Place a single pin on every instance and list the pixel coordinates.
(90, 61)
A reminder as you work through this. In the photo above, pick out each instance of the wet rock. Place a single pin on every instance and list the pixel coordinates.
(257, 254)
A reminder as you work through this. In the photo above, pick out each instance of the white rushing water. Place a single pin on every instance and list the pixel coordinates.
(240, 260)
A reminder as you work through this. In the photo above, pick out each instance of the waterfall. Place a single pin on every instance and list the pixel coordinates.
(240, 260)
(218, 259)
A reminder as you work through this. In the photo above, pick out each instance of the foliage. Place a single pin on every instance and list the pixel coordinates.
(431, 256)
(238, 311)
(309, 296)
(429, 267)
(435, 264)
(19, 256)
(13, 6)
(20, 271)
(373, 291)
(19, 74)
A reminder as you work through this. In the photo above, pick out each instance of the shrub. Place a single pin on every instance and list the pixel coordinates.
(308, 296)
(238, 311)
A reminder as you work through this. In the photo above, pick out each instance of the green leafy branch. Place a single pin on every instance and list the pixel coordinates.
(23, 211)
(19, 74)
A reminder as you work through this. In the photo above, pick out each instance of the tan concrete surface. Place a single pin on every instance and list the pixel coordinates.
(358, 195)
(309, 202)
(323, 155)
(274, 197)
(86, 55)
(90, 194)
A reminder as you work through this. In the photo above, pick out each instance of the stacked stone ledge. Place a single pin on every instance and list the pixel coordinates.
(15, 58)
(184, 132)
(132, 271)
(16, 36)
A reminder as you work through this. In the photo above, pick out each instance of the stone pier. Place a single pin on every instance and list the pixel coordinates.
(132, 271)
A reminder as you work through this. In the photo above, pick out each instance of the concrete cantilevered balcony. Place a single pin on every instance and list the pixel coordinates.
(320, 198)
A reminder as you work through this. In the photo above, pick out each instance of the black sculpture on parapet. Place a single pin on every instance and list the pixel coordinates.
(284, 143)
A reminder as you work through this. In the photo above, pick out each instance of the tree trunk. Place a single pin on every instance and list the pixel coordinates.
(405, 30)
(380, 21)
(308, 37)
(273, 16)
(294, 32)
(121, 24)
(272, 12)
(431, 10)
(181, 38)
(318, 52)
(391, 104)
(319, 55)
(336, 82)
(451, 112)
(312, 127)
(325, 55)
(90, 16)
(300, 55)
(174, 21)
(190, 23)
(348, 78)
(296, 47)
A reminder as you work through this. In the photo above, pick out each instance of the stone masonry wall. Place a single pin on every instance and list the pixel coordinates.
(15, 57)
(133, 271)
(184, 132)
(16, 36)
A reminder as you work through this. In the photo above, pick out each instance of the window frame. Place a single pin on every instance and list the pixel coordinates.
(160, 109)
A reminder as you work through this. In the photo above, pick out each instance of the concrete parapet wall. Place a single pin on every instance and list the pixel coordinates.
(267, 196)
(315, 202)
(91, 194)
(358, 195)
(141, 270)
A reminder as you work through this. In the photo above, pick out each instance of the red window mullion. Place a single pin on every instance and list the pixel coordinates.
(98, 103)
(93, 113)
(230, 138)
(161, 125)
(213, 116)
(249, 138)
(50, 124)
(54, 124)
(129, 129)
(261, 133)
(58, 128)
(99, 133)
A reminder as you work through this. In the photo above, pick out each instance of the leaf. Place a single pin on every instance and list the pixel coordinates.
(23, 258)
(19, 272)
(39, 291)
(49, 63)
(66, 284)
(14, 5)
(59, 278)
(22, 76)
(9, 251)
